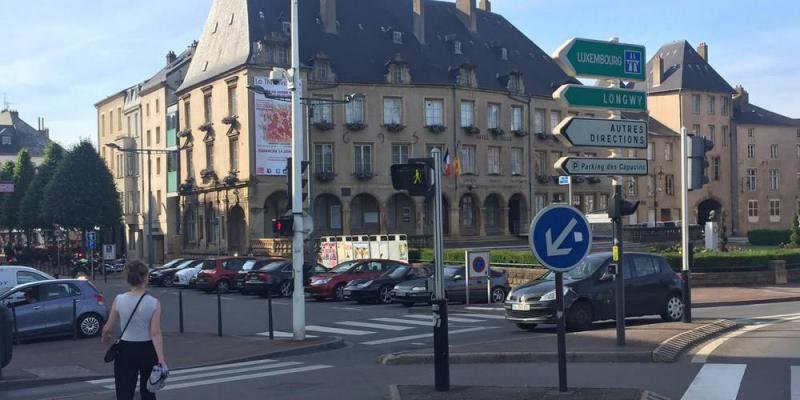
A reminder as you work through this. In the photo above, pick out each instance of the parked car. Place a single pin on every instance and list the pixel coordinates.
(13, 275)
(277, 278)
(651, 288)
(251, 265)
(44, 308)
(219, 274)
(421, 290)
(185, 276)
(379, 289)
(331, 284)
(165, 277)
(170, 264)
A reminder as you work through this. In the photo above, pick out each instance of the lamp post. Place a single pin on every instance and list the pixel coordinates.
(656, 178)
(149, 153)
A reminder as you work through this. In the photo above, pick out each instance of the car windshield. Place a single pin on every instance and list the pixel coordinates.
(396, 272)
(450, 272)
(248, 265)
(583, 270)
(184, 264)
(172, 263)
(209, 264)
(273, 266)
(344, 267)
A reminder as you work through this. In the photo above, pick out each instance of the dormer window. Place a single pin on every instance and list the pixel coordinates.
(397, 74)
(466, 76)
(504, 54)
(322, 68)
(6, 140)
(457, 47)
(286, 26)
(515, 83)
(397, 37)
(397, 71)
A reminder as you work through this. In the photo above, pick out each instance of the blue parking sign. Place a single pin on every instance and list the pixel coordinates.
(91, 240)
(560, 237)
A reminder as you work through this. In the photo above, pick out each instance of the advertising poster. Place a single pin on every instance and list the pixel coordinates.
(273, 128)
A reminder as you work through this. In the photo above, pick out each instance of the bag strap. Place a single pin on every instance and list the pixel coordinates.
(131, 316)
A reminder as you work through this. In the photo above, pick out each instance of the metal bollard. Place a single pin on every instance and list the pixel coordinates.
(219, 314)
(269, 312)
(14, 317)
(180, 311)
(74, 319)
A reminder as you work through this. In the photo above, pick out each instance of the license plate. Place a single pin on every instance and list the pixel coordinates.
(347, 293)
(521, 307)
(400, 294)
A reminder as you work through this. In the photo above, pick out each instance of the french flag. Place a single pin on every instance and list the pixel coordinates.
(447, 163)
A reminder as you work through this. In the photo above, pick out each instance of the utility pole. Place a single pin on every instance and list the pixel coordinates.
(685, 271)
(298, 151)
(150, 250)
(441, 350)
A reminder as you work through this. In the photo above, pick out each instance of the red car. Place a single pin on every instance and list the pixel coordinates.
(219, 273)
(331, 284)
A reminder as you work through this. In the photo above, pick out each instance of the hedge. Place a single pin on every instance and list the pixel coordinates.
(766, 237)
(498, 256)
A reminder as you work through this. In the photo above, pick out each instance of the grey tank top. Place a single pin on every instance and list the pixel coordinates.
(139, 328)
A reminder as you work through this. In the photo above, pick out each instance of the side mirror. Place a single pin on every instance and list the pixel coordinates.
(458, 278)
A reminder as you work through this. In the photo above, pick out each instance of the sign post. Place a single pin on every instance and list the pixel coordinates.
(477, 265)
(91, 245)
(560, 237)
(587, 166)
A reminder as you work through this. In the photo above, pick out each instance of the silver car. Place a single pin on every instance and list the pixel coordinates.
(45, 308)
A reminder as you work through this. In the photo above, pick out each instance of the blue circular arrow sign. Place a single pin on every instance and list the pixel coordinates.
(560, 237)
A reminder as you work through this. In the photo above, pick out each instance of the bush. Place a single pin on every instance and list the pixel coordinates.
(735, 259)
(456, 256)
(765, 237)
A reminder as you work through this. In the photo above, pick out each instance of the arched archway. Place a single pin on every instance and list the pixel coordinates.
(468, 215)
(275, 206)
(365, 215)
(705, 208)
(517, 214)
(429, 215)
(493, 214)
(327, 215)
(236, 231)
(401, 215)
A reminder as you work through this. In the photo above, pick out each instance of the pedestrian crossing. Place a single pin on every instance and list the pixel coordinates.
(202, 376)
(725, 381)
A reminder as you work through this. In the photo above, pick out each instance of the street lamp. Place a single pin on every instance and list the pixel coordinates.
(656, 179)
(149, 152)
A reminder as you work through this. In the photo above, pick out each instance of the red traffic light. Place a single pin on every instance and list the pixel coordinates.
(283, 226)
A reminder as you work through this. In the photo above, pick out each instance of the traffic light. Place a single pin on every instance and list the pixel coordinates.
(303, 179)
(283, 226)
(414, 177)
(620, 207)
(698, 146)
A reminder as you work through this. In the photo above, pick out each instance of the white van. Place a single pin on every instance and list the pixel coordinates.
(13, 275)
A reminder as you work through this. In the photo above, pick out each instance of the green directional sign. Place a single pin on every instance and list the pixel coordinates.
(580, 96)
(599, 59)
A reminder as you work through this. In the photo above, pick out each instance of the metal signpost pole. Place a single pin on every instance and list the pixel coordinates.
(298, 151)
(569, 190)
(561, 332)
(441, 351)
(150, 250)
(685, 271)
(619, 280)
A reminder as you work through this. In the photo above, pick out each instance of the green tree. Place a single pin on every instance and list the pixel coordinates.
(81, 194)
(24, 172)
(794, 239)
(30, 215)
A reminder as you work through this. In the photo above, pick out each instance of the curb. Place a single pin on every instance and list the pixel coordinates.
(332, 344)
(670, 349)
(516, 357)
(746, 302)
(395, 393)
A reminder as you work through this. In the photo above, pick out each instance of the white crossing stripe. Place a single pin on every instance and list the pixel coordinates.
(716, 382)
(702, 355)
(281, 334)
(375, 326)
(245, 377)
(421, 336)
(484, 308)
(795, 385)
(339, 331)
(405, 321)
(198, 369)
(487, 316)
(227, 372)
(449, 318)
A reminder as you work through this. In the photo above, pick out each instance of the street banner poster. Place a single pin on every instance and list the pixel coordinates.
(273, 128)
(361, 248)
(328, 254)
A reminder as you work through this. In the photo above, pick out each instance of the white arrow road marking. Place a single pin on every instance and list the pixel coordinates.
(553, 248)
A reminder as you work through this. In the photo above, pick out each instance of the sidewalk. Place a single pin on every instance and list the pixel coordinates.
(646, 341)
(409, 392)
(60, 360)
(725, 296)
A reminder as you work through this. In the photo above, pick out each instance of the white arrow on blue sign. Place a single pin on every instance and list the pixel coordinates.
(560, 237)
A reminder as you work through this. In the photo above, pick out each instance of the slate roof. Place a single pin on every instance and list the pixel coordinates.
(363, 46)
(684, 69)
(23, 136)
(755, 115)
(170, 76)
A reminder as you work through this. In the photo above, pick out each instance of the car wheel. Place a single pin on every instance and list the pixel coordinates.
(673, 309)
(223, 286)
(167, 283)
(407, 304)
(498, 295)
(338, 292)
(526, 327)
(89, 325)
(579, 316)
(385, 295)
(286, 288)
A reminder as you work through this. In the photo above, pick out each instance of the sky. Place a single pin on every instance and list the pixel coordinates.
(58, 58)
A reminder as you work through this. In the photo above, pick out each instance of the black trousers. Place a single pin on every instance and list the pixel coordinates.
(135, 360)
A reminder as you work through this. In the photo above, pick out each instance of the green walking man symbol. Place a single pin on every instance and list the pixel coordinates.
(417, 177)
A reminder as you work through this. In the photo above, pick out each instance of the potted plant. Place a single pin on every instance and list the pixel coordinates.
(542, 179)
(472, 129)
(207, 127)
(325, 176)
(578, 179)
(231, 120)
(541, 135)
(185, 133)
(355, 126)
(394, 127)
(435, 128)
(520, 133)
(231, 179)
(497, 131)
(323, 125)
(186, 187)
(364, 175)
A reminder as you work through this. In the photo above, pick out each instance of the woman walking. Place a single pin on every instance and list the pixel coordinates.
(141, 347)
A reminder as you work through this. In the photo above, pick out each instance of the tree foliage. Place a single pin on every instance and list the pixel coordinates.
(30, 215)
(794, 239)
(81, 193)
(24, 172)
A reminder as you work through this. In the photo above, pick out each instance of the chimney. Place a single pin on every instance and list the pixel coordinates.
(466, 12)
(658, 70)
(702, 49)
(486, 5)
(171, 57)
(419, 20)
(327, 13)
(14, 115)
(741, 98)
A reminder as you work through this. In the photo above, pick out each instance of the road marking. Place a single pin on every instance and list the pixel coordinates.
(484, 308)
(702, 355)
(339, 331)
(281, 334)
(245, 377)
(405, 321)
(487, 316)
(375, 326)
(228, 372)
(198, 369)
(795, 385)
(453, 319)
(421, 336)
(716, 382)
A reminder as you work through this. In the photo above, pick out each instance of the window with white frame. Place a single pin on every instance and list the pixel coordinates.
(541, 202)
(323, 110)
(400, 153)
(751, 151)
(633, 187)
(589, 201)
(651, 148)
(751, 180)
(468, 159)
(716, 168)
(712, 104)
(354, 110)
(773, 151)
(362, 155)
(494, 160)
(516, 161)
(724, 135)
(555, 119)
(602, 202)
(726, 106)
(669, 184)
(774, 176)
(516, 118)
(434, 110)
(540, 162)
(712, 135)
(774, 210)
(751, 132)
(392, 111)
(493, 116)
(538, 121)
(467, 114)
(752, 209)
(323, 158)
(696, 104)
(668, 151)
